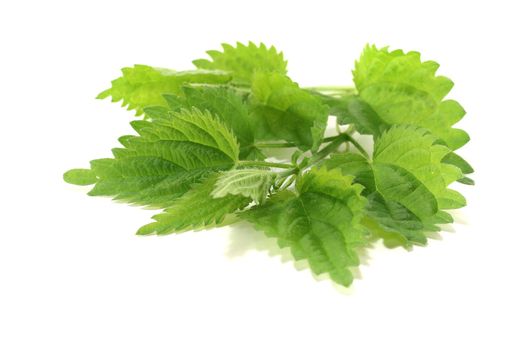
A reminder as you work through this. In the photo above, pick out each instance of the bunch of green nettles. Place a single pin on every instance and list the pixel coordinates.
(201, 150)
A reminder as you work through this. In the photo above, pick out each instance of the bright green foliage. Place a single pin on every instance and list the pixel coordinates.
(406, 181)
(413, 150)
(321, 223)
(202, 153)
(81, 177)
(228, 106)
(403, 90)
(196, 209)
(141, 86)
(285, 112)
(252, 183)
(242, 61)
(167, 157)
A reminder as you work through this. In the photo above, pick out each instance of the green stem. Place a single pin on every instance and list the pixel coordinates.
(285, 174)
(287, 144)
(330, 148)
(358, 146)
(265, 164)
(330, 138)
(331, 88)
(275, 145)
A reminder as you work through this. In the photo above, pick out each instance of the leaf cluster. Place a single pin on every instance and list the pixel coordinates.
(203, 146)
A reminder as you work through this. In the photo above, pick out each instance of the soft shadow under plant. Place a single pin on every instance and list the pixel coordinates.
(200, 152)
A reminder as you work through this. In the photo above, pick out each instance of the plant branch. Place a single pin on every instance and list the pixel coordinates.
(358, 146)
(287, 144)
(330, 148)
(265, 164)
(275, 145)
(327, 89)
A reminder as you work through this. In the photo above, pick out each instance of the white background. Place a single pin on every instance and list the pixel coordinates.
(74, 276)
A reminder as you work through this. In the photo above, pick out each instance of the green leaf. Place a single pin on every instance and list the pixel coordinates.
(228, 106)
(141, 86)
(243, 61)
(196, 209)
(416, 151)
(254, 183)
(80, 177)
(283, 111)
(196, 152)
(169, 155)
(350, 109)
(394, 218)
(354, 165)
(403, 90)
(321, 223)
(406, 182)
(456, 160)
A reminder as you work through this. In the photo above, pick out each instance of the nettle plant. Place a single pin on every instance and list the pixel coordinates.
(202, 152)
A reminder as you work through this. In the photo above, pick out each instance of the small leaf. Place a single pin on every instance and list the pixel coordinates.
(243, 61)
(252, 183)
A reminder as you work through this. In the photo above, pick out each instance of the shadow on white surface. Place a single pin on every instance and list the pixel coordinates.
(244, 238)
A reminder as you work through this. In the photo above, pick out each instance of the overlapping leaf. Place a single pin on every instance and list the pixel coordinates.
(167, 157)
(228, 106)
(141, 86)
(403, 90)
(321, 223)
(283, 111)
(196, 209)
(197, 153)
(406, 182)
(242, 61)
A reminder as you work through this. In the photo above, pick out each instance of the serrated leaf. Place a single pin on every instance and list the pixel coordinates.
(141, 86)
(283, 111)
(406, 181)
(243, 61)
(196, 209)
(250, 182)
(416, 151)
(228, 106)
(321, 223)
(403, 90)
(394, 217)
(168, 156)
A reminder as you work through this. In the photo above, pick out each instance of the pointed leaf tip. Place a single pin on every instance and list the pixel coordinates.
(80, 177)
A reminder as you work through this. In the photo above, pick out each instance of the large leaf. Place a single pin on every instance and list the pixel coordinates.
(162, 163)
(321, 223)
(283, 111)
(406, 181)
(416, 151)
(228, 106)
(141, 86)
(196, 209)
(403, 90)
(243, 61)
